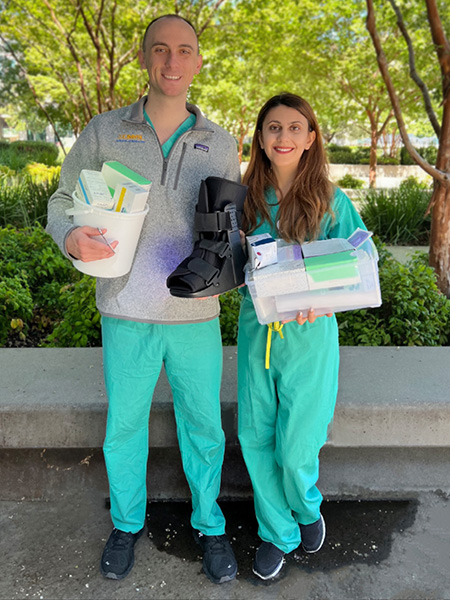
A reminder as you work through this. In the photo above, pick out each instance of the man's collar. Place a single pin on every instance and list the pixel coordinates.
(136, 114)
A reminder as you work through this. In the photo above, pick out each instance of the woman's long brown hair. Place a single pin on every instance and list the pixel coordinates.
(301, 210)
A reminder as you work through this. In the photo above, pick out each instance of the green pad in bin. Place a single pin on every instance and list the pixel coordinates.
(341, 265)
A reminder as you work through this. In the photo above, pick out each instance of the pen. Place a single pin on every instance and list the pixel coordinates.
(105, 240)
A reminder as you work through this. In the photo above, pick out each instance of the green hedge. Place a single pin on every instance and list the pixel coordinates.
(17, 155)
(34, 274)
(397, 215)
(429, 154)
(40, 152)
(413, 313)
(43, 298)
(360, 155)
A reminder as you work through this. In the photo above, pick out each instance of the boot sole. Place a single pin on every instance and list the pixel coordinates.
(115, 576)
(321, 541)
(273, 574)
(223, 579)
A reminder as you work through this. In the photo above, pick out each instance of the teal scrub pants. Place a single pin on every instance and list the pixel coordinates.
(133, 354)
(284, 414)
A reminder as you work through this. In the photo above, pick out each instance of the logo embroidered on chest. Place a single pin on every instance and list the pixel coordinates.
(201, 147)
(131, 137)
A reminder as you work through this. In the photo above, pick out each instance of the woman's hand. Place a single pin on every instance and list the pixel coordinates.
(311, 317)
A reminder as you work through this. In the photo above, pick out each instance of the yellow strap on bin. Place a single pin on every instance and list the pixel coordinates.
(276, 326)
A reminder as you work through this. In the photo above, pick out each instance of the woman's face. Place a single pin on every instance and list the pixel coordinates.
(285, 136)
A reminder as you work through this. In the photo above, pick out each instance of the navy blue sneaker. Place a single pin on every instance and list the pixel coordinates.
(269, 561)
(313, 536)
(118, 555)
(219, 562)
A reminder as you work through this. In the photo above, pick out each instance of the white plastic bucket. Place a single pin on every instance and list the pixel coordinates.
(123, 227)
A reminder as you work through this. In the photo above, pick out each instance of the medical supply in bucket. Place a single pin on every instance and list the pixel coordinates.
(115, 173)
(123, 220)
(91, 187)
(332, 275)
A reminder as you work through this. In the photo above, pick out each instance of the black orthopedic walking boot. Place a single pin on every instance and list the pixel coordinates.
(216, 264)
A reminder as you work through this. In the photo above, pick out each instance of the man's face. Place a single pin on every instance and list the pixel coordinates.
(171, 57)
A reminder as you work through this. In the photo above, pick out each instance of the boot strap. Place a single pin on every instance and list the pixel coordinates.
(203, 269)
(216, 221)
(220, 248)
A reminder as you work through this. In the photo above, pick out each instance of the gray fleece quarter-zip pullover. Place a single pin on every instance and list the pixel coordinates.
(167, 235)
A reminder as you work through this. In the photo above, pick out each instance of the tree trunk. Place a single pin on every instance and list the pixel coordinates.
(373, 158)
(240, 146)
(440, 216)
(440, 238)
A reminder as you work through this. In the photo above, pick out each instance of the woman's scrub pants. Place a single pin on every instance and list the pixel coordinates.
(133, 354)
(284, 414)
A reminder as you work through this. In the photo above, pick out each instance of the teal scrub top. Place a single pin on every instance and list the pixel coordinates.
(185, 125)
(346, 219)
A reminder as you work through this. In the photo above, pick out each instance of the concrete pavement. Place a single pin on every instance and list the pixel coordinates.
(374, 550)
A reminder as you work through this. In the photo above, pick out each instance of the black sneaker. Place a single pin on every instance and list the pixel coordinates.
(219, 563)
(118, 555)
(313, 536)
(269, 561)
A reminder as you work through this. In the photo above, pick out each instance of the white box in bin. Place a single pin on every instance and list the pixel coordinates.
(278, 295)
(262, 250)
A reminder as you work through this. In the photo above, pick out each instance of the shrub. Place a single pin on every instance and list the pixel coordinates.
(43, 297)
(12, 159)
(41, 152)
(342, 156)
(23, 203)
(339, 155)
(40, 173)
(388, 160)
(350, 182)
(429, 154)
(362, 155)
(16, 307)
(6, 172)
(29, 257)
(229, 313)
(414, 312)
(80, 324)
(397, 215)
(246, 151)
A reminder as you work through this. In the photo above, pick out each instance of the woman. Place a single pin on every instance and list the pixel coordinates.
(284, 411)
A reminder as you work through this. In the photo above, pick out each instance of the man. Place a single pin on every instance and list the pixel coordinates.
(143, 326)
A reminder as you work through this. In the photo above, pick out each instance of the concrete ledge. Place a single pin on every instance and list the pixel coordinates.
(390, 433)
(55, 398)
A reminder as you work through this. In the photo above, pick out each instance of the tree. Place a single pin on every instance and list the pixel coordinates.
(78, 57)
(347, 74)
(250, 54)
(440, 201)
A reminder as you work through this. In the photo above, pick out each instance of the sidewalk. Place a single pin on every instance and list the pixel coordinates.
(376, 551)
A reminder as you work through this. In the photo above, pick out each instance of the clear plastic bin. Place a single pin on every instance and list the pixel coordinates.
(281, 290)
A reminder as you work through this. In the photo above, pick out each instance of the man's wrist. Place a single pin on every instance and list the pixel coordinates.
(68, 254)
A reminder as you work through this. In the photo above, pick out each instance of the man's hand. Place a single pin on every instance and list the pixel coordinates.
(81, 245)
